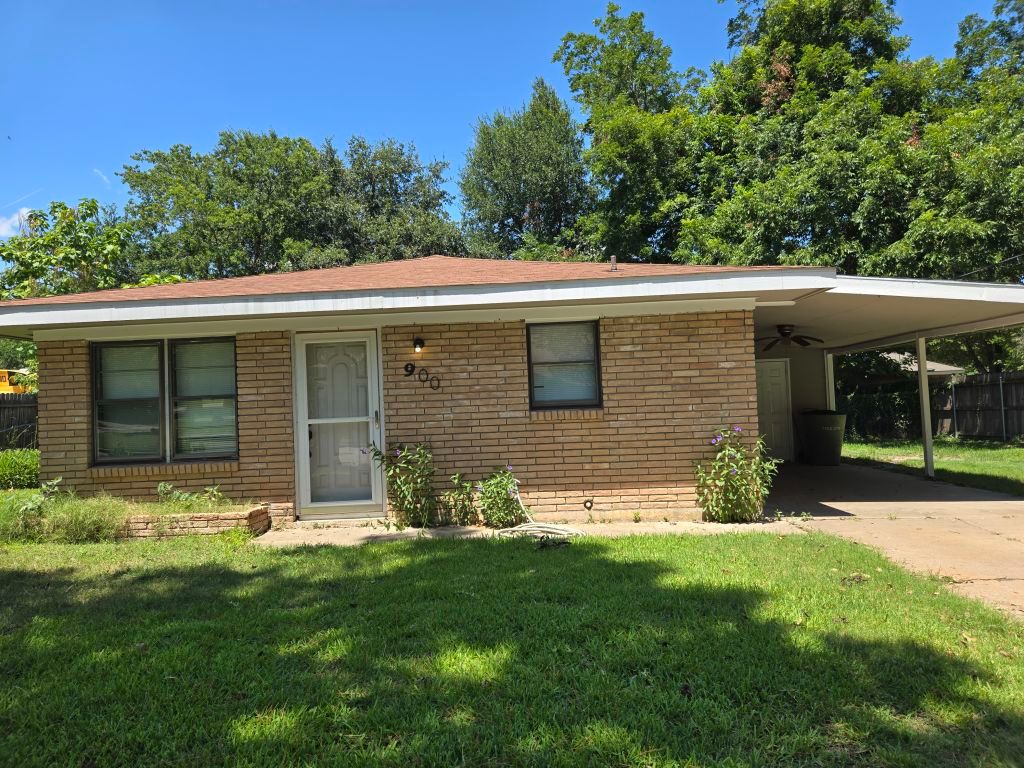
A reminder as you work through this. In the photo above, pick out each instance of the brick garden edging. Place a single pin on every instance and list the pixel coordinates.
(256, 519)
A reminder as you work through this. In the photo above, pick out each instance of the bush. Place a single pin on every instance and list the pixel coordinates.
(733, 488)
(187, 501)
(19, 468)
(456, 505)
(410, 478)
(55, 516)
(499, 500)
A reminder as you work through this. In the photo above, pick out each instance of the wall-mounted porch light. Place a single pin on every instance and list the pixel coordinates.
(418, 344)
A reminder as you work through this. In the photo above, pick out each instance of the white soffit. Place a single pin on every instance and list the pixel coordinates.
(867, 313)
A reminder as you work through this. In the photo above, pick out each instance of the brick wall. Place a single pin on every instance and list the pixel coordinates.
(264, 470)
(668, 381)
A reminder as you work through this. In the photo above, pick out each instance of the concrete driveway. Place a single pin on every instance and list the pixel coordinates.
(974, 537)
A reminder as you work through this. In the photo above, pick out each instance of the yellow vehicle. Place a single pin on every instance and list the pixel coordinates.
(6, 387)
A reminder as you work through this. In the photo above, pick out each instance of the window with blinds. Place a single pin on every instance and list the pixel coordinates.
(156, 402)
(565, 369)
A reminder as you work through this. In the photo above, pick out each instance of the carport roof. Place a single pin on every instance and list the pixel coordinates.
(861, 313)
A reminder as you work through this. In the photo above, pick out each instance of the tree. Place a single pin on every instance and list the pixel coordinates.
(262, 202)
(64, 250)
(819, 142)
(524, 183)
(623, 63)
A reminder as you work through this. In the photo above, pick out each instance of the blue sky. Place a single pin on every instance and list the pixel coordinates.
(84, 85)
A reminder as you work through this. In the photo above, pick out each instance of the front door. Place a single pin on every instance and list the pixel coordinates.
(774, 410)
(338, 405)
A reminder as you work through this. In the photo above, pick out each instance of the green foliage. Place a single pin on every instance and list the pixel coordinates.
(409, 471)
(457, 506)
(623, 63)
(499, 499)
(819, 143)
(191, 501)
(524, 176)
(733, 487)
(65, 250)
(55, 516)
(261, 202)
(19, 468)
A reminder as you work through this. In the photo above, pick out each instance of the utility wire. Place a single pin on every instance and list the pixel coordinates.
(1007, 260)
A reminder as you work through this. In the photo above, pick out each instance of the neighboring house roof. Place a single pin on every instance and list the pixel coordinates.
(908, 363)
(423, 272)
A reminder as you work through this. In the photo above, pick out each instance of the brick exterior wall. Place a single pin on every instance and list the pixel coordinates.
(668, 381)
(264, 470)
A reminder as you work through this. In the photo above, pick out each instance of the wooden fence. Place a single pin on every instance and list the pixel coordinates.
(983, 406)
(18, 415)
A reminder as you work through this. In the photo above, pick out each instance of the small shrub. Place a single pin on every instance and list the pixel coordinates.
(410, 477)
(734, 486)
(499, 499)
(19, 468)
(456, 505)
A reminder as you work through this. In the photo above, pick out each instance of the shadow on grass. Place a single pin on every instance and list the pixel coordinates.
(460, 653)
(966, 479)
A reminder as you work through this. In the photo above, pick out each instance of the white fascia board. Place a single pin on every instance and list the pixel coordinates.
(929, 289)
(354, 321)
(431, 299)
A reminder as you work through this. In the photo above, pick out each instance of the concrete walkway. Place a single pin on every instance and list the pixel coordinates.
(312, 534)
(974, 537)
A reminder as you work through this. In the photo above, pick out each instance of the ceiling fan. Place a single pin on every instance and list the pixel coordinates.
(786, 337)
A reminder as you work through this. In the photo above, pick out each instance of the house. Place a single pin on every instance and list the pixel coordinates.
(936, 370)
(601, 384)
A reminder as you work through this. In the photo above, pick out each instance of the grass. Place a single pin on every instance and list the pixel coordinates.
(67, 518)
(744, 649)
(974, 463)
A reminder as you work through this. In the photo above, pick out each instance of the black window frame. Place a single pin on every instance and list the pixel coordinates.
(98, 400)
(551, 405)
(173, 398)
(167, 399)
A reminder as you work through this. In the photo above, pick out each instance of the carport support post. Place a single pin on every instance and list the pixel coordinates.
(830, 382)
(926, 405)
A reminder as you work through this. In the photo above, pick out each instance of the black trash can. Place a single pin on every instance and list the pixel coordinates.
(821, 437)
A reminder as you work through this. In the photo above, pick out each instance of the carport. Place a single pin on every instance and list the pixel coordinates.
(859, 314)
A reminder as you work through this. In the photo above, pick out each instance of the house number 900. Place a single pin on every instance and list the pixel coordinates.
(423, 375)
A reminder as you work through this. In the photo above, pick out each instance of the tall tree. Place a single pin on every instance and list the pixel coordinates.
(524, 182)
(820, 142)
(64, 250)
(262, 202)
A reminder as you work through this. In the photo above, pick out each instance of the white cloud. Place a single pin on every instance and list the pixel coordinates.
(11, 225)
(103, 177)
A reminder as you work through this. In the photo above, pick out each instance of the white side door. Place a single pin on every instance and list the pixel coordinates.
(774, 408)
(338, 417)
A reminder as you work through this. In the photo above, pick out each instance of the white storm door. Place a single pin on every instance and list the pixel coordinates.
(774, 409)
(339, 418)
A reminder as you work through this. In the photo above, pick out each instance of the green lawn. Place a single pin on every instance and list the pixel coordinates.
(976, 463)
(648, 651)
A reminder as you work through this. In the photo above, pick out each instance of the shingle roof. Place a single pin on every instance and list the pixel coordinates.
(424, 272)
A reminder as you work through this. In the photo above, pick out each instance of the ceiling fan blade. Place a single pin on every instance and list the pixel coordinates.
(815, 339)
(771, 344)
(764, 338)
(801, 341)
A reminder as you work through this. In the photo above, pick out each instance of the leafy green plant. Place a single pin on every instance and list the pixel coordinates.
(457, 505)
(190, 501)
(19, 468)
(499, 499)
(409, 471)
(733, 487)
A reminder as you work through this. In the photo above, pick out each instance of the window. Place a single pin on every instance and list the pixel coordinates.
(128, 392)
(155, 401)
(203, 398)
(565, 369)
